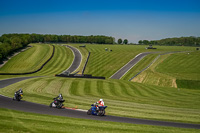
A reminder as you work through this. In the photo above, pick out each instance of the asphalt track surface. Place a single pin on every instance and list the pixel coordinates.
(129, 65)
(77, 59)
(25, 106)
(6, 102)
(122, 71)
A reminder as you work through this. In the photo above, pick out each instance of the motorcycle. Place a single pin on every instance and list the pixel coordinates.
(57, 103)
(97, 110)
(18, 96)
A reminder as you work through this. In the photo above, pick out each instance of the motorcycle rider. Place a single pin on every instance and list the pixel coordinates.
(100, 102)
(19, 92)
(59, 98)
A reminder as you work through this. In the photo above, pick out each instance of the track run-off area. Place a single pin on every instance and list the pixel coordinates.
(6, 102)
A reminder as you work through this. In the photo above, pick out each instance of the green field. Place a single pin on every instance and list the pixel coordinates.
(61, 60)
(106, 63)
(16, 121)
(29, 60)
(168, 90)
(175, 70)
(139, 66)
(182, 65)
(129, 99)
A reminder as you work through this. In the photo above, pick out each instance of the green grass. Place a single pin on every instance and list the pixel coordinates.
(175, 70)
(182, 66)
(154, 99)
(189, 84)
(16, 121)
(123, 98)
(28, 61)
(139, 66)
(84, 53)
(105, 63)
(61, 60)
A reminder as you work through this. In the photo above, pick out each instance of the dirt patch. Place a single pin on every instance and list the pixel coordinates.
(140, 78)
(174, 83)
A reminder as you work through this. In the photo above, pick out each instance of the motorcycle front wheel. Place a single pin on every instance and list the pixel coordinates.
(59, 106)
(50, 105)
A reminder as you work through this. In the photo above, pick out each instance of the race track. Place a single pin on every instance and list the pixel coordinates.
(25, 106)
(77, 59)
(128, 66)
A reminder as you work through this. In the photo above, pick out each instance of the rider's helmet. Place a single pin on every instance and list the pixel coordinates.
(60, 96)
(20, 90)
(101, 100)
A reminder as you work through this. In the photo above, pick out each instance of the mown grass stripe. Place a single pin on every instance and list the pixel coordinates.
(124, 89)
(112, 89)
(100, 87)
(87, 87)
(74, 88)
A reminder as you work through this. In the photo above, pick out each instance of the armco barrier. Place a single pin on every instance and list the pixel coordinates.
(86, 63)
(35, 70)
(79, 76)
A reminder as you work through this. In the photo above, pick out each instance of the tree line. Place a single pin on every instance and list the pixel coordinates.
(10, 43)
(181, 41)
(120, 41)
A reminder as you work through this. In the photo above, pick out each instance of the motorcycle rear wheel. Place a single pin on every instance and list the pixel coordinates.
(103, 112)
(89, 112)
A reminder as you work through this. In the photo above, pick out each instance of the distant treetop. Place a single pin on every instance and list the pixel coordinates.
(186, 41)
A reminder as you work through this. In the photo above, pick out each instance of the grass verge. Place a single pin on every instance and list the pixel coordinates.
(16, 121)
(29, 60)
(123, 98)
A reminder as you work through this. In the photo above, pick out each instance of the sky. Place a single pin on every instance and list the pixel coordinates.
(126, 19)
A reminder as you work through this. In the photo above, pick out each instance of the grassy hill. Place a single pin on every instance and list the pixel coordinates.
(61, 61)
(17, 121)
(29, 60)
(106, 63)
(123, 98)
(33, 58)
(176, 70)
(152, 95)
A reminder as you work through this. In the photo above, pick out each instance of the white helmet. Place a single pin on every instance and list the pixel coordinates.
(101, 100)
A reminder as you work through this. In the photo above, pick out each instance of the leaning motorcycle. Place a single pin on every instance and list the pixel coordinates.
(57, 103)
(97, 110)
(18, 96)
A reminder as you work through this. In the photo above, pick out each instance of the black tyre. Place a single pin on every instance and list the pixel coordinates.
(59, 106)
(103, 112)
(89, 112)
(50, 105)
(18, 99)
(99, 113)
